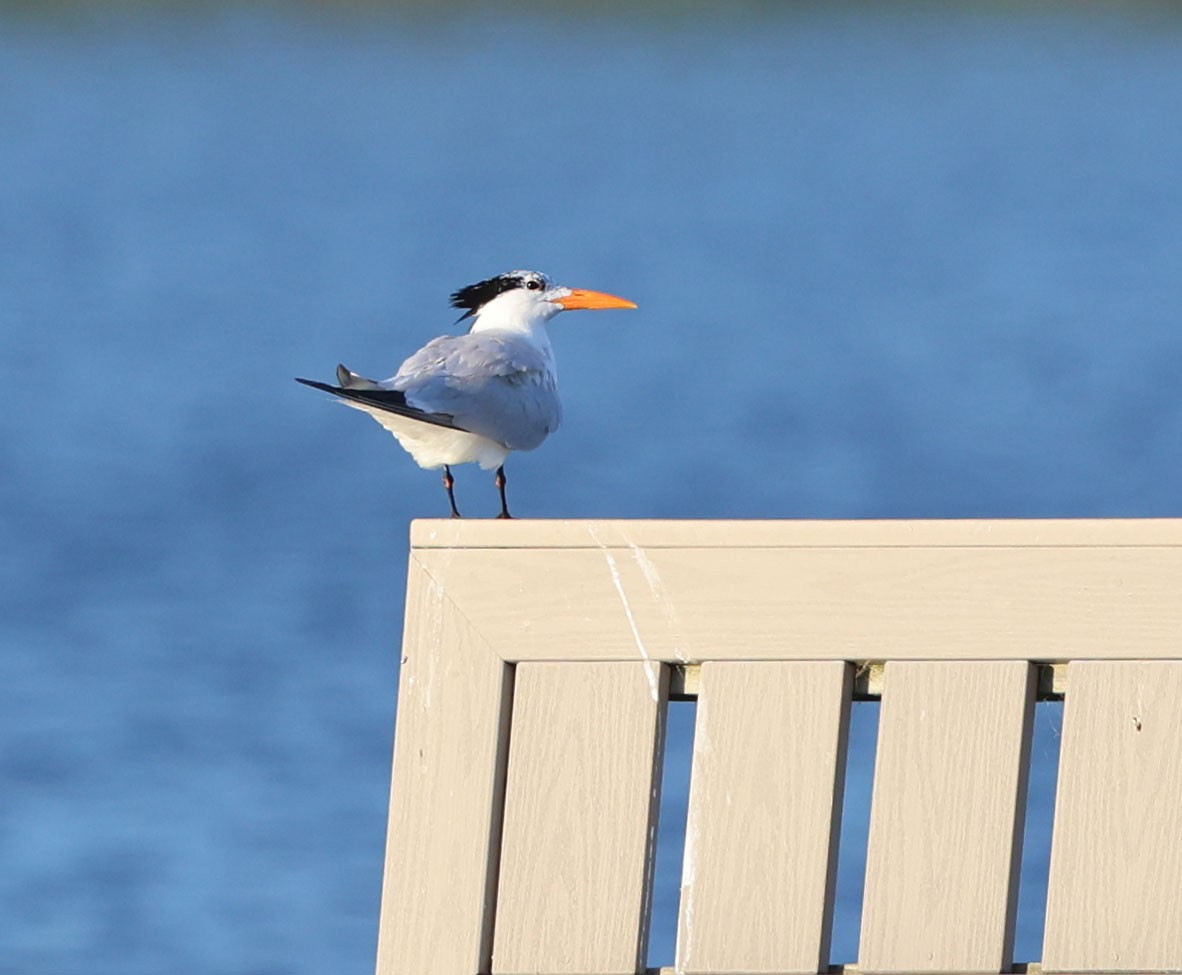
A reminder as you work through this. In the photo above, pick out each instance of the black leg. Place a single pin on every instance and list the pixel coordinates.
(449, 482)
(500, 482)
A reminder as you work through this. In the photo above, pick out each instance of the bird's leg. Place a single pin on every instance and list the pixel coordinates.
(500, 482)
(449, 483)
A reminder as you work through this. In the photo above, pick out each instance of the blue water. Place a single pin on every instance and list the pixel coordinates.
(889, 262)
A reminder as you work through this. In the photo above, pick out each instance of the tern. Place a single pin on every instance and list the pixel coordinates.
(474, 398)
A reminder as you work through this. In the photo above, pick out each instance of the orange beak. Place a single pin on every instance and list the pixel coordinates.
(578, 298)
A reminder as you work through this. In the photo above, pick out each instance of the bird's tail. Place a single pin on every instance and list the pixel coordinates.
(351, 380)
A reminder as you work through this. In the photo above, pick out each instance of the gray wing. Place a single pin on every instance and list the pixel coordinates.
(498, 386)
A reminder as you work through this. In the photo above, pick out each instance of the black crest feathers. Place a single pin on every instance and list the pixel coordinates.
(475, 296)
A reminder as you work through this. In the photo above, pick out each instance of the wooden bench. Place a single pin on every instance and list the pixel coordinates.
(538, 660)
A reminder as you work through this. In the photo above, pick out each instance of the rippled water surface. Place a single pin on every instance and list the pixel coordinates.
(915, 263)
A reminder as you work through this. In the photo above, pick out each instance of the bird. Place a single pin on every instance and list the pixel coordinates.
(476, 397)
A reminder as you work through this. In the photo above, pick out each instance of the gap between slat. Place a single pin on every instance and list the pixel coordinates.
(1036, 844)
(680, 720)
(855, 831)
(497, 820)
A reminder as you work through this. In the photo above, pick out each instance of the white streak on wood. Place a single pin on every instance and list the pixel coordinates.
(436, 596)
(662, 599)
(651, 669)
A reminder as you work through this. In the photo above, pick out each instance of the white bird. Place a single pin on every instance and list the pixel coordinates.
(474, 398)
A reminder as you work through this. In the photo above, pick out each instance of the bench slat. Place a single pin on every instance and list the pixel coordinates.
(580, 815)
(764, 817)
(946, 817)
(1114, 899)
(453, 700)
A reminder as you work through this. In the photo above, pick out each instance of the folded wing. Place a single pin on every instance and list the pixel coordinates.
(498, 386)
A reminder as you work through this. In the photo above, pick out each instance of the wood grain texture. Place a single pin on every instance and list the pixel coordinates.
(946, 817)
(580, 817)
(764, 817)
(633, 594)
(838, 602)
(1114, 898)
(453, 709)
(454, 534)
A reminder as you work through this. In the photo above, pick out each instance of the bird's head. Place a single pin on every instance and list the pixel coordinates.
(524, 299)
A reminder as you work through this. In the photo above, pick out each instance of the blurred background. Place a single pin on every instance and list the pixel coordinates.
(892, 260)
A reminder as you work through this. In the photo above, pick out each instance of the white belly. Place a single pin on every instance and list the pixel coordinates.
(433, 446)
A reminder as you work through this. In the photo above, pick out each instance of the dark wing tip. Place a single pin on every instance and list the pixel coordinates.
(315, 385)
(386, 399)
(390, 400)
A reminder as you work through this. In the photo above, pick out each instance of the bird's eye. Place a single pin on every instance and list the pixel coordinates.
(534, 284)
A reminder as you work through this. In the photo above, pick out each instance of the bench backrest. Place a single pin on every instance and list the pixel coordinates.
(538, 659)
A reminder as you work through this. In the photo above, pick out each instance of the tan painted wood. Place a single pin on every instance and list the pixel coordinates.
(483, 593)
(946, 817)
(580, 818)
(1060, 602)
(1020, 968)
(764, 817)
(453, 534)
(453, 708)
(1114, 898)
